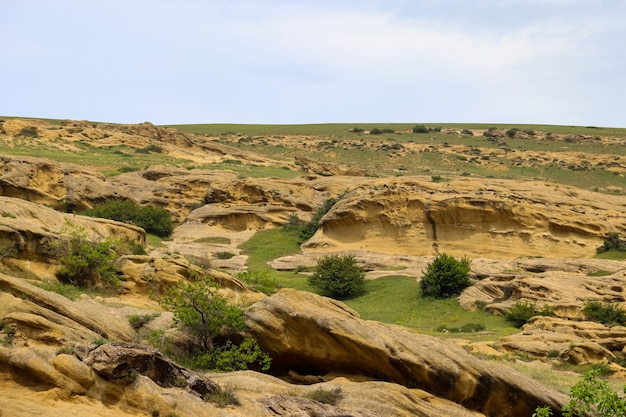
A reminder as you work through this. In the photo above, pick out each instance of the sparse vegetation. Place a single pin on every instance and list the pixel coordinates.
(222, 397)
(224, 255)
(326, 396)
(445, 277)
(259, 280)
(66, 350)
(138, 321)
(339, 276)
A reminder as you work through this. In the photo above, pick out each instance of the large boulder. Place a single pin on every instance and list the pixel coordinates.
(313, 335)
(51, 318)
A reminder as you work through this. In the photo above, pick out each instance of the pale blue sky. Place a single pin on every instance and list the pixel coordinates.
(305, 61)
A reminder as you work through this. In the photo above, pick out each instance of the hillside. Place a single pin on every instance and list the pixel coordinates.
(528, 204)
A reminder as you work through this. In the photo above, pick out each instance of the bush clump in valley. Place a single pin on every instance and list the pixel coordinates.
(338, 275)
(155, 220)
(445, 277)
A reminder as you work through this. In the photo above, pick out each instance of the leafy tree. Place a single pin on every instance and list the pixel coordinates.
(445, 277)
(591, 396)
(594, 396)
(85, 262)
(338, 275)
(208, 317)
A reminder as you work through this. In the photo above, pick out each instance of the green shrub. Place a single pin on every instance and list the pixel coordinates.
(610, 314)
(339, 276)
(308, 229)
(224, 255)
(30, 132)
(612, 242)
(85, 262)
(330, 397)
(420, 129)
(520, 313)
(155, 220)
(511, 132)
(211, 320)
(594, 396)
(445, 277)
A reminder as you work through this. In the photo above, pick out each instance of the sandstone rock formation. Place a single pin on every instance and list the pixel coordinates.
(528, 241)
(313, 335)
(493, 219)
(26, 230)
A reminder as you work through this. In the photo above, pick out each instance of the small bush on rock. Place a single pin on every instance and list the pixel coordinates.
(85, 262)
(610, 314)
(339, 276)
(612, 242)
(330, 397)
(445, 277)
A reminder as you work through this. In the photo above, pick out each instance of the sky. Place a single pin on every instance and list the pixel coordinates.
(315, 61)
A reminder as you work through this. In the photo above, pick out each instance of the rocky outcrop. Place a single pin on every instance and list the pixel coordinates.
(62, 186)
(576, 342)
(41, 315)
(313, 335)
(565, 284)
(27, 229)
(492, 219)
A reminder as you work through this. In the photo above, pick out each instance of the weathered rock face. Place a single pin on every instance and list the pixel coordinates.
(315, 335)
(26, 229)
(60, 186)
(580, 343)
(258, 203)
(492, 219)
(52, 318)
(565, 284)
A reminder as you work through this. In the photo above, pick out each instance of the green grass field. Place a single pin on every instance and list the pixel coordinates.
(394, 299)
